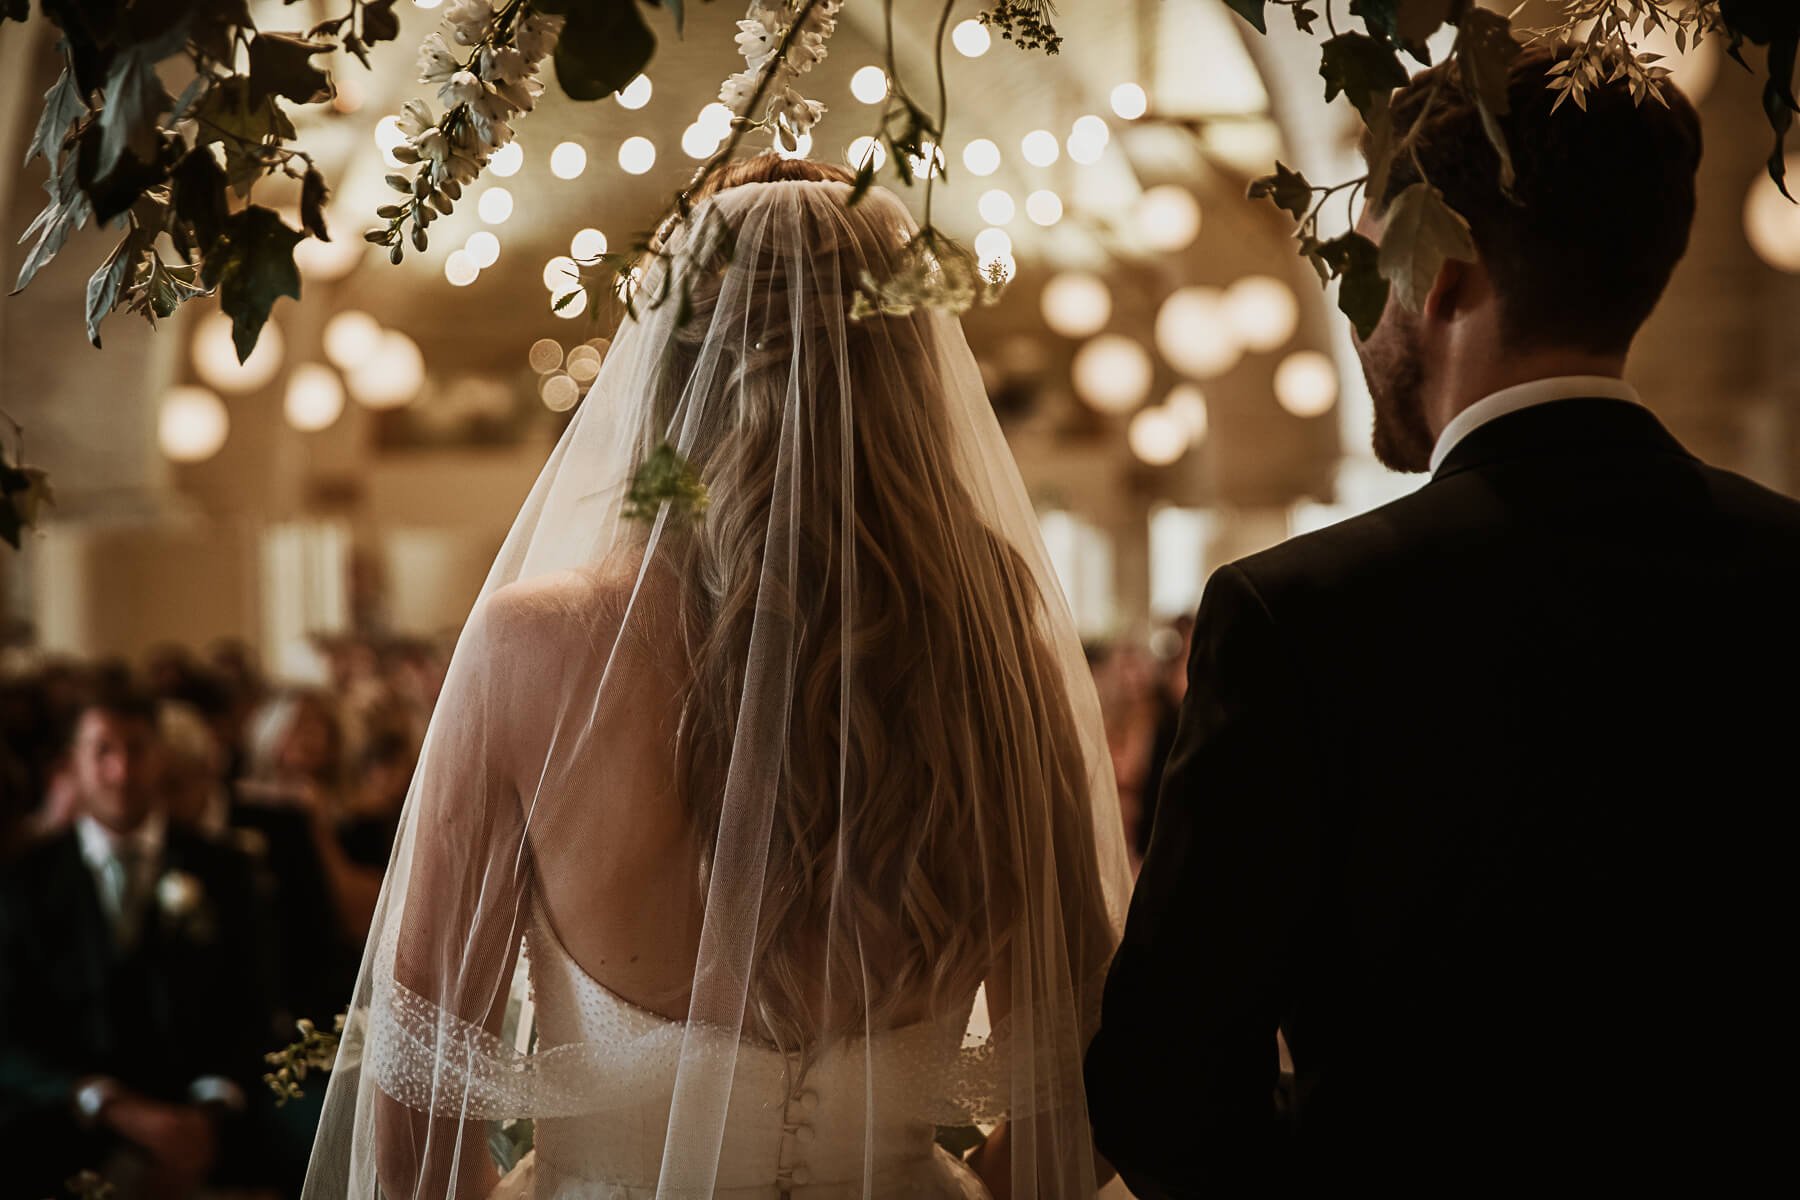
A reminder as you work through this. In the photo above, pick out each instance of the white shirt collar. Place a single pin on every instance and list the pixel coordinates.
(100, 845)
(1526, 395)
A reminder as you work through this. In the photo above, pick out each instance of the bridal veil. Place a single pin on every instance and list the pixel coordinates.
(774, 671)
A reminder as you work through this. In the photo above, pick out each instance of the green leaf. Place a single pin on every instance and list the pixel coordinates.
(134, 99)
(281, 65)
(1286, 188)
(160, 289)
(23, 493)
(603, 47)
(1252, 11)
(1779, 105)
(1361, 68)
(314, 195)
(379, 24)
(63, 107)
(1485, 48)
(228, 115)
(563, 301)
(665, 477)
(1421, 233)
(198, 187)
(1362, 292)
(865, 179)
(253, 266)
(1416, 20)
(67, 210)
(107, 284)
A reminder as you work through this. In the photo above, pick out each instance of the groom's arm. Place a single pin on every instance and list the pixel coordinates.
(1181, 1076)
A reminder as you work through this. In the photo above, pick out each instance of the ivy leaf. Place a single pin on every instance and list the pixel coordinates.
(107, 284)
(281, 65)
(603, 47)
(1486, 49)
(1362, 292)
(865, 179)
(678, 10)
(67, 210)
(23, 492)
(1416, 20)
(160, 289)
(198, 188)
(314, 195)
(134, 98)
(1286, 188)
(20, 11)
(228, 115)
(1252, 11)
(252, 266)
(1779, 105)
(1309, 250)
(1361, 68)
(379, 24)
(63, 106)
(113, 192)
(1422, 231)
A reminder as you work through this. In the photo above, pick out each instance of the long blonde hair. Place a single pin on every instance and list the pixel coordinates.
(931, 756)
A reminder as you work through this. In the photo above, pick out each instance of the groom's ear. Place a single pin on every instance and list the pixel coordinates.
(1456, 291)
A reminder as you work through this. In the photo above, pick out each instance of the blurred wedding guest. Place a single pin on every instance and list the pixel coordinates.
(132, 1019)
(1124, 677)
(371, 818)
(324, 901)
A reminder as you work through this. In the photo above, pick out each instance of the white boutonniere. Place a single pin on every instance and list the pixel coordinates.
(181, 898)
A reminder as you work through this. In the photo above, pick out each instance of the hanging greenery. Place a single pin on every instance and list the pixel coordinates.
(1366, 66)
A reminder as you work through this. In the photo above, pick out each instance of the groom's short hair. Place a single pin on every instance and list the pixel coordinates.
(1600, 210)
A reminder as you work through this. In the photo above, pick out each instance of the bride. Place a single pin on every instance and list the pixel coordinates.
(764, 843)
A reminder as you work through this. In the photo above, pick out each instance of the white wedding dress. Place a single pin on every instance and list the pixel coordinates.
(773, 684)
(784, 1135)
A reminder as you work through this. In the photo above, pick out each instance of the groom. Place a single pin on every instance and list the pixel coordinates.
(1482, 799)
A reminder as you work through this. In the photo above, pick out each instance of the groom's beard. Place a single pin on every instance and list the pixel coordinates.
(1390, 360)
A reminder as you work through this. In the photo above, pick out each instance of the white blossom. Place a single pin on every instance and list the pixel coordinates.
(462, 88)
(503, 64)
(798, 111)
(536, 35)
(736, 91)
(523, 94)
(432, 145)
(179, 894)
(416, 118)
(468, 20)
(436, 63)
(755, 41)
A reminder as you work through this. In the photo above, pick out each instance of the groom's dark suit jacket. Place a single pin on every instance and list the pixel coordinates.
(190, 999)
(1484, 799)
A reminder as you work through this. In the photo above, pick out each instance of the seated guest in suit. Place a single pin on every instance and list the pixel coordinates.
(1482, 797)
(133, 1015)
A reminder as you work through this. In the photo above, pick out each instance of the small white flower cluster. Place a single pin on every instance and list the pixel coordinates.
(481, 94)
(498, 82)
(760, 34)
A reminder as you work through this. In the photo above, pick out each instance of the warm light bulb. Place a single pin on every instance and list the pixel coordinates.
(460, 268)
(1129, 101)
(1306, 383)
(860, 150)
(1772, 221)
(1076, 304)
(315, 397)
(328, 260)
(1044, 207)
(495, 205)
(392, 376)
(996, 206)
(546, 355)
(635, 94)
(559, 392)
(981, 157)
(637, 155)
(1113, 373)
(584, 363)
(1040, 147)
(1262, 311)
(1157, 436)
(484, 248)
(560, 274)
(991, 244)
(971, 39)
(587, 245)
(1087, 140)
(716, 118)
(507, 160)
(699, 141)
(568, 160)
(1168, 217)
(870, 85)
(350, 338)
(1188, 403)
(191, 424)
(216, 360)
(1194, 335)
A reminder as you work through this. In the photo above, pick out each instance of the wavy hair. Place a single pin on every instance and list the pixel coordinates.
(932, 772)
